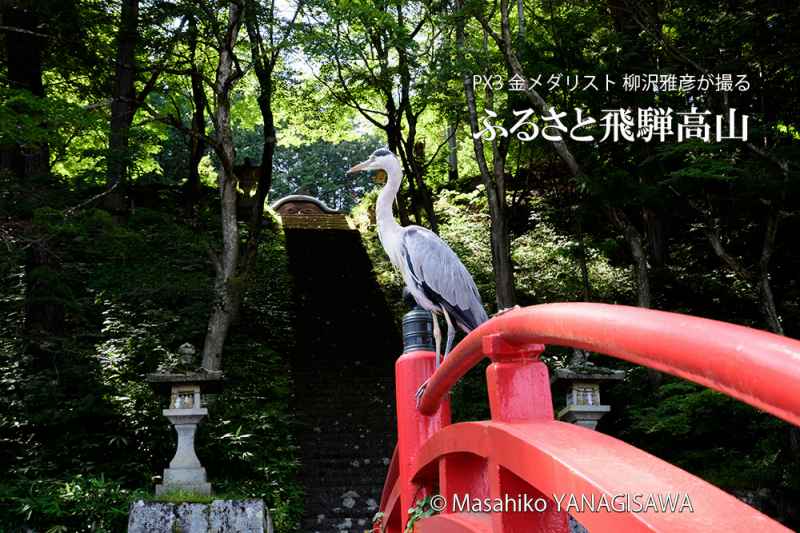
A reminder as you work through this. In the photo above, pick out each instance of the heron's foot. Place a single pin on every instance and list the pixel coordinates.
(420, 392)
(505, 310)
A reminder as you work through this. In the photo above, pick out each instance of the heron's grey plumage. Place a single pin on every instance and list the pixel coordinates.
(432, 272)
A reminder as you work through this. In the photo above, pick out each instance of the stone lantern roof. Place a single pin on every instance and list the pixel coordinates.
(210, 382)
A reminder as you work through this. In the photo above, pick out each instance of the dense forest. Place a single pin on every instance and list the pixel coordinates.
(142, 142)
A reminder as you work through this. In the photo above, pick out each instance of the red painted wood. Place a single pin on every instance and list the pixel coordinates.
(518, 383)
(515, 518)
(519, 391)
(413, 430)
(390, 495)
(523, 451)
(463, 473)
(756, 367)
(455, 523)
(565, 459)
(391, 522)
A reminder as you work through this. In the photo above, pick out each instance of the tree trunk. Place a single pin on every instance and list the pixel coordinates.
(267, 156)
(634, 240)
(643, 297)
(498, 211)
(452, 154)
(416, 174)
(504, 42)
(655, 235)
(227, 290)
(582, 264)
(122, 105)
(24, 70)
(197, 140)
(414, 168)
(768, 308)
(760, 284)
(44, 298)
(501, 256)
(394, 140)
(263, 67)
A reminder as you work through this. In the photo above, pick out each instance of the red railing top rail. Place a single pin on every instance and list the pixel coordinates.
(756, 367)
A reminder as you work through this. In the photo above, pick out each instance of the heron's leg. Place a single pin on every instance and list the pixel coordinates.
(420, 392)
(437, 338)
(451, 333)
(437, 334)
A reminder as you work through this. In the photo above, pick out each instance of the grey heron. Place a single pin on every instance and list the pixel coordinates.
(432, 272)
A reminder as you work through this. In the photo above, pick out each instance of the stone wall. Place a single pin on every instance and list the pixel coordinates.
(219, 516)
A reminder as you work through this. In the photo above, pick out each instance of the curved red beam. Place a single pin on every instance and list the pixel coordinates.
(756, 367)
(561, 460)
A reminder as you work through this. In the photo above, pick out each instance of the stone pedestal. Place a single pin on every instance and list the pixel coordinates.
(185, 473)
(220, 516)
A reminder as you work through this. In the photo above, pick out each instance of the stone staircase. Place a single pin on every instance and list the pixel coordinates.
(343, 368)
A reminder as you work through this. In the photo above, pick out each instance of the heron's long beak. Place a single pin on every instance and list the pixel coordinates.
(361, 166)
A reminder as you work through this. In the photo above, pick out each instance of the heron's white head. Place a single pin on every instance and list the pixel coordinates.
(381, 159)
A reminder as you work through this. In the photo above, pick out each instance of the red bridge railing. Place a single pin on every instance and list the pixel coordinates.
(523, 471)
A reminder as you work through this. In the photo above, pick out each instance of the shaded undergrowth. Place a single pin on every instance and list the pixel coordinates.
(81, 433)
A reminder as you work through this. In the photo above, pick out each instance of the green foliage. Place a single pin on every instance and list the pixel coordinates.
(79, 503)
(182, 496)
(250, 434)
(464, 225)
(422, 509)
(81, 431)
(78, 426)
(682, 414)
(317, 168)
(31, 121)
(545, 266)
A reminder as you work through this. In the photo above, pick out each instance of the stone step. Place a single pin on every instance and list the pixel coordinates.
(343, 371)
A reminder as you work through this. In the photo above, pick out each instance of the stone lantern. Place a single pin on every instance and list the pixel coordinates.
(186, 409)
(581, 387)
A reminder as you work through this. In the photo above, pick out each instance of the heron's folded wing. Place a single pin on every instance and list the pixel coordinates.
(438, 272)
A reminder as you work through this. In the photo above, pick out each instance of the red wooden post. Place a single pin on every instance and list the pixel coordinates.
(414, 428)
(519, 391)
(517, 381)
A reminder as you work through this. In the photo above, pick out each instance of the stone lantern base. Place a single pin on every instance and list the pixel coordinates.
(583, 415)
(185, 473)
(184, 480)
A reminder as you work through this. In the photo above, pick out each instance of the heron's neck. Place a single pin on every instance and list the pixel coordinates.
(383, 212)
